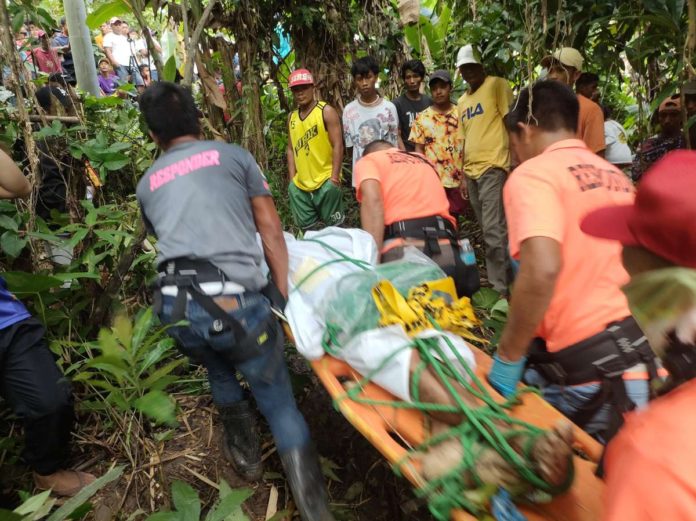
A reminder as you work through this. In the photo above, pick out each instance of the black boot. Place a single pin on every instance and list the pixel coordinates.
(241, 441)
(303, 473)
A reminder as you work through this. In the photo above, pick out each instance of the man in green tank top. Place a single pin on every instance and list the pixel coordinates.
(315, 154)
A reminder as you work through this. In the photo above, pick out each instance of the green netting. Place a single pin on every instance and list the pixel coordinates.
(349, 308)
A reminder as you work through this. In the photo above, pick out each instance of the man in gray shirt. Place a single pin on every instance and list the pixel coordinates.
(205, 201)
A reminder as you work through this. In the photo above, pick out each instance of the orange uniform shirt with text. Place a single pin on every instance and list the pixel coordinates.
(411, 187)
(651, 463)
(548, 196)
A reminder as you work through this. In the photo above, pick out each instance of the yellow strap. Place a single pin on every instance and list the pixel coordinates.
(393, 309)
(436, 300)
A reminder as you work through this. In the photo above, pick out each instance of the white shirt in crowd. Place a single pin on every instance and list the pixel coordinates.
(362, 125)
(140, 45)
(617, 152)
(120, 48)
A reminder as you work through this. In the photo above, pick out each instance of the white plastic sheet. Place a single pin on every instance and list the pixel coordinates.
(311, 279)
(306, 257)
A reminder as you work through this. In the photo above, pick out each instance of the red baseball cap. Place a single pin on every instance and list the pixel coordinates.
(671, 104)
(300, 77)
(663, 217)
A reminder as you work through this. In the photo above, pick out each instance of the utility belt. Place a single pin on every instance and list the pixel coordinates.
(431, 230)
(603, 357)
(190, 278)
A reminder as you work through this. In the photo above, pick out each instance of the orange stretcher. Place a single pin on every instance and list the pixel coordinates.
(392, 430)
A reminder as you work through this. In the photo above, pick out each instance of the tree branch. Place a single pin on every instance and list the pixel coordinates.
(192, 44)
(151, 49)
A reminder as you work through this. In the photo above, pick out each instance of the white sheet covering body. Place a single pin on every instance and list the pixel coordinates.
(367, 351)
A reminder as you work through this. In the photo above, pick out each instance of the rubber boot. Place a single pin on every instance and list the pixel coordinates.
(241, 442)
(303, 472)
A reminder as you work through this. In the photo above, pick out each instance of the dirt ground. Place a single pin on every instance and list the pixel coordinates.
(361, 484)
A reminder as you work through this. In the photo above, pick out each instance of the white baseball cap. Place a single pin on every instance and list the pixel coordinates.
(467, 55)
(567, 56)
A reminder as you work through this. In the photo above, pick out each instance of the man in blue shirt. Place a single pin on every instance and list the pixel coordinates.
(30, 381)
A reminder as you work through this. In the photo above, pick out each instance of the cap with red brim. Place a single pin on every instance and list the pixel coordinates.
(611, 223)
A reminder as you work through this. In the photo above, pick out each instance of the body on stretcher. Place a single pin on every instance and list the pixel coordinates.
(392, 430)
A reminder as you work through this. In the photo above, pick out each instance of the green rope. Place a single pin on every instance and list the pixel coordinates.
(461, 487)
(364, 265)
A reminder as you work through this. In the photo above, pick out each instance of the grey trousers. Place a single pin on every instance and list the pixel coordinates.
(486, 198)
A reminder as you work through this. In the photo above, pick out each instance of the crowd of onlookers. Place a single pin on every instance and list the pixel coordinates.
(465, 140)
(126, 56)
(121, 54)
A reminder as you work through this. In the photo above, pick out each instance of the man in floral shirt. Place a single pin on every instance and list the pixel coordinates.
(436, 135)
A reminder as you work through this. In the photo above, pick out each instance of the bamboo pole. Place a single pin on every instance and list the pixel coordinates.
(690, 40)
(11, 58)
(138, 8)
(81, 46)
(63, 119)
(689, 47)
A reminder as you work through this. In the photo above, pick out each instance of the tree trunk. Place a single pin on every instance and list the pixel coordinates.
(322, 47)
(11, 58)
(248, 29)
(232, 96)
(81, 46)
(192, 40)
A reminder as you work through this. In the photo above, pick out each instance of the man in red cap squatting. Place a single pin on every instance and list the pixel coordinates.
(315, 154)
(651, 464)
(568, 317)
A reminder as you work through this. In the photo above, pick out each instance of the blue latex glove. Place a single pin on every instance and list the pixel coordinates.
(503, 509)
(505, 376)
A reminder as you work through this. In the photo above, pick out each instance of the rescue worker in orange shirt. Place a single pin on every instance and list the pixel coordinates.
(569, 323)
(402, 203)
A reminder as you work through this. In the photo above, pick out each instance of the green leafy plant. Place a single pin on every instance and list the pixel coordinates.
(130, 367)
(40, 506)
(12, 238)
(187, 504)
(108, 267)
(494, 309)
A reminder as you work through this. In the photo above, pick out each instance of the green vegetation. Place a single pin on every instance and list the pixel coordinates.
(126, 374)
